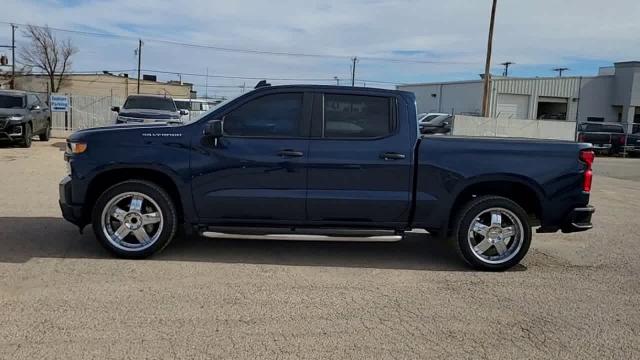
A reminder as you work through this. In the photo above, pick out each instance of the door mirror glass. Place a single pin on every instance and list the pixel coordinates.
(213, 129)
(35, 107)
(184, 112)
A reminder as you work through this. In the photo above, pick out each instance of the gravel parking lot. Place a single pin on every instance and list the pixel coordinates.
(62, 296)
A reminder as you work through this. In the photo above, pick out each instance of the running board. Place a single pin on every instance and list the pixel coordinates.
(302, 237)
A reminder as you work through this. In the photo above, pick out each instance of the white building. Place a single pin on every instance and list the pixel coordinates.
(613, 96)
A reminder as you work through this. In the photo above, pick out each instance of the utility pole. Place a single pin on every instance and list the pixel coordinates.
(353, 71)
(487, 66)
(560, 70)
(337, 80)
(506, 68)
(139, 61)
(13, 55)
(206, 85)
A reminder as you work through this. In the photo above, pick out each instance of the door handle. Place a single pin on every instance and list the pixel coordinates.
(392, 156)
(290, 153)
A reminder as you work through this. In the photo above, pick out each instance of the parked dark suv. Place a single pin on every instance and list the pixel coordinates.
(22, 116)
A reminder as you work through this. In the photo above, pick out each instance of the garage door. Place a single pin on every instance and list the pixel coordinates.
(512, 106)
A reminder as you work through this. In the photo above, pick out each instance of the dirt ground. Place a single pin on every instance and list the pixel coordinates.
(62, 296)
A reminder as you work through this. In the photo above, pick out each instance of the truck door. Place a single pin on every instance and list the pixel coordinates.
(256, 171)
(360, 159)
(35, 108)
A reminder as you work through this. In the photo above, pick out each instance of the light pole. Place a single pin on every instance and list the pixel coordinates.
(353, 71)
(337, 79)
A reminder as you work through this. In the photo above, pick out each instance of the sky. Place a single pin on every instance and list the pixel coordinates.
(448, 38)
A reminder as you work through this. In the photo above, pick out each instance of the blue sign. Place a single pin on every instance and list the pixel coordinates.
(59, 103)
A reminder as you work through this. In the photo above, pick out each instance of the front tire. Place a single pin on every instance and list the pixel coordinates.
(134, 219)
(492, 233)
(46, 134)
(27, 135)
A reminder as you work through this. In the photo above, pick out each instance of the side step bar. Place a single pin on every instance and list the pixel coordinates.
(302, 237)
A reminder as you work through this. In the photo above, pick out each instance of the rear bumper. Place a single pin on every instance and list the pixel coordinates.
(70, 212)
(579, 219)
(631, 148)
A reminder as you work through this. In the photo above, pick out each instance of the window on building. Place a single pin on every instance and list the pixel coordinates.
(550, 108)
(277, 115)
(356, 116)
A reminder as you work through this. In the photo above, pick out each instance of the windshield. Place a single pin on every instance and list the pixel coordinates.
(183, 105)
(11, 102)
(150, 102)
(429, 118)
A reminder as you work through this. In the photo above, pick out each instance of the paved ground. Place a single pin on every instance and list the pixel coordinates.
(61, 296)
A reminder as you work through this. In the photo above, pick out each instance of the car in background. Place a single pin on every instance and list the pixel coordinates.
(194, 107)
(23, 115)
(632, 143)
(607, 138)
(148, 109)
(435, 123)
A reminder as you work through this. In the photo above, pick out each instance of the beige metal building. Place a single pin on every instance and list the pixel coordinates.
(105, 85)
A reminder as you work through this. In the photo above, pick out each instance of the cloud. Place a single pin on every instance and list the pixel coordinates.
(533, 34)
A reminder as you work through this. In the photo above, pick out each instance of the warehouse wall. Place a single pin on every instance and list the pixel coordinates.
(463, 97)
(104, 85)
(503, 127)
(596, 97)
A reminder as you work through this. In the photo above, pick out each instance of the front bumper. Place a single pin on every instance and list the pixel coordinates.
(70, 212)
(11, 132)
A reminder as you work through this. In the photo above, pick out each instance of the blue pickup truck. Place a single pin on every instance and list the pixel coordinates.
(322, 163)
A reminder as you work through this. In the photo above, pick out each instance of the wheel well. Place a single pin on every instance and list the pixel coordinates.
(109, 178)
(520, 193)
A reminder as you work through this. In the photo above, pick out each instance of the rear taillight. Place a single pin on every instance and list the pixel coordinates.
(621, 140)
(587, 156)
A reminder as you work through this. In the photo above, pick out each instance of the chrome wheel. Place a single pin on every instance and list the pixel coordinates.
(132, 221)
(495, 235)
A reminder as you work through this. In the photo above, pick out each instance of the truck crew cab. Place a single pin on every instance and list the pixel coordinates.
(322, 162)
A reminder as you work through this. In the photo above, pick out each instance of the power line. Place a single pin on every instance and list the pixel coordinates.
(266, 78)
(255, 51)
(115, 72)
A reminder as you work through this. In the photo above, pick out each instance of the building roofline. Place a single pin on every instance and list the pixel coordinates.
(505, 79)
(627, 64)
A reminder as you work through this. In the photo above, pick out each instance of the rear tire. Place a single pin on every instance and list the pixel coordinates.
(134, 219)
(492, 233)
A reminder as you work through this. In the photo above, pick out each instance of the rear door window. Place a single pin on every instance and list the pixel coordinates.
(357, 116)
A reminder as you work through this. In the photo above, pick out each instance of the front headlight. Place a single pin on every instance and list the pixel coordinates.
(16, 117)
(76, 147)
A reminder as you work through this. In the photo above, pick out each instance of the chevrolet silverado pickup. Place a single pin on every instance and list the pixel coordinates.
(322, 163)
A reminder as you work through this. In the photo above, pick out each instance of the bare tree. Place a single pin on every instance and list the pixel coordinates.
(47, 53)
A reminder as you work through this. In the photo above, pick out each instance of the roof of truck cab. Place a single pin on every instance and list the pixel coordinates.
(334, 88)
